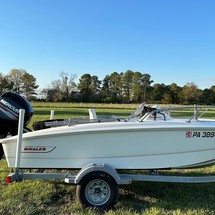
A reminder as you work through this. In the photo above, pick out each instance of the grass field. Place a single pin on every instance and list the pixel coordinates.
(56, 197)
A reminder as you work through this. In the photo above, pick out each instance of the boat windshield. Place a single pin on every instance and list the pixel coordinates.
(139, 111)
(142, 109)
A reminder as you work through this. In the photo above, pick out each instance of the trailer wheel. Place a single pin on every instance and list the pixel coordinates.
(97, 189)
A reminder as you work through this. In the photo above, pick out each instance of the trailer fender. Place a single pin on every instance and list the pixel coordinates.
(102, 168)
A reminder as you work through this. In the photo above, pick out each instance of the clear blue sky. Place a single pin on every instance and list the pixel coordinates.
(172, 40)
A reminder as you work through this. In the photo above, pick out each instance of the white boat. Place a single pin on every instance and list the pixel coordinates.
(150, 139)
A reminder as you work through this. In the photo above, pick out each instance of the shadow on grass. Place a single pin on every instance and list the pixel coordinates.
(168, 196)
(141, 196)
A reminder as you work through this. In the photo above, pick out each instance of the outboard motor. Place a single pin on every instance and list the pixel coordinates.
(10, 104)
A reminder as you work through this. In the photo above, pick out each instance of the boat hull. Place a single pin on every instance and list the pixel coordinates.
(133, 146)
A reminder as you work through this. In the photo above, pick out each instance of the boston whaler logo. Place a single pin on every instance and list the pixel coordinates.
(38, 149)
(188, 134)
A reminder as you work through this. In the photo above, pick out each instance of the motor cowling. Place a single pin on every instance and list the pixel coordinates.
(10, 104)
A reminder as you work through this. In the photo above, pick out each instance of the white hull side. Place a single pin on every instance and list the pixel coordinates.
(123, 149)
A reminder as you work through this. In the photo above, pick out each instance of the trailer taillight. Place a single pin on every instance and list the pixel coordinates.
(8, 179)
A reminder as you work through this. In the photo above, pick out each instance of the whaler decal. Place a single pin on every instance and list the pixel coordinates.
(38, 149)
(200, 134)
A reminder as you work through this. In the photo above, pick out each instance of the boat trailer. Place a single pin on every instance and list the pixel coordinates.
(97, 184)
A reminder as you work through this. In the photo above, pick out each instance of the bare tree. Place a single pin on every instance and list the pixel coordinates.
(22, 82)
(15, 76)
(62, 89)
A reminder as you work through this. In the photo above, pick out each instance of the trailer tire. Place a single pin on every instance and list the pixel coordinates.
(97, 189)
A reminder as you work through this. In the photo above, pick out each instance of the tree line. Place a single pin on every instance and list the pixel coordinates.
(124, 87)
(20, 81)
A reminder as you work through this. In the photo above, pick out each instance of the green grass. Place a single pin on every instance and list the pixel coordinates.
(56, 197)
(78, 110)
